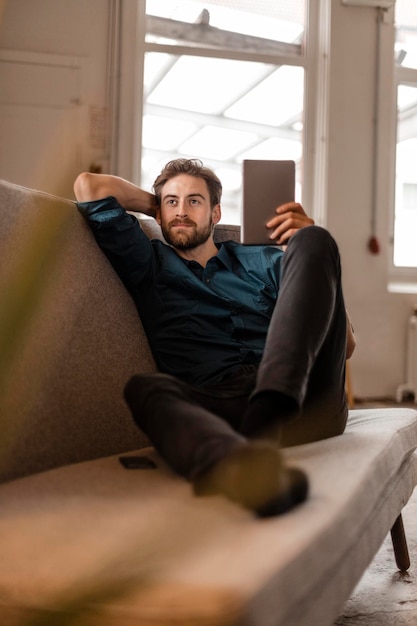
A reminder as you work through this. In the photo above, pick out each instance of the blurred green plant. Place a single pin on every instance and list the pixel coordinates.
(23, 288)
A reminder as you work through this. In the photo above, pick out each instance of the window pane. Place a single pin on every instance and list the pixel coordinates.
(268, 101)
(222, 110)
(204, 84)
(277, 20)
(406, 33)
(405, 227)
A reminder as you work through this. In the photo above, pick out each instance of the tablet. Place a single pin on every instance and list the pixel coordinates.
(266, 185)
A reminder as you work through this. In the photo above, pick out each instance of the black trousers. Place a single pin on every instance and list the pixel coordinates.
(304, 358)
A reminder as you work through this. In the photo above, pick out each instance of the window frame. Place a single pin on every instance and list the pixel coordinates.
(400, 279)
(127, 144)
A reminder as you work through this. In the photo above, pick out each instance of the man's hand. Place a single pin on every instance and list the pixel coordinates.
(289, 218)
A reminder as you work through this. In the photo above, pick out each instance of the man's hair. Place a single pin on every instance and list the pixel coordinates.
(191, 167)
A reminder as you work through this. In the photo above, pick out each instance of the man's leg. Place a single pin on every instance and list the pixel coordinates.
(188, 436)
(206, 450)
(300, 383)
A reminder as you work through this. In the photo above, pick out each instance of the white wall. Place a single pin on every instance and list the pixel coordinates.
(81, 28)
(67, 27)
(379, 317)
(76, 29)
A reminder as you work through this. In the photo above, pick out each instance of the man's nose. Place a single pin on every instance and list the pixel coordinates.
(181, 208)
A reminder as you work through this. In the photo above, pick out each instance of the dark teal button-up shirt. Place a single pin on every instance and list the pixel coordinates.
(201, 323)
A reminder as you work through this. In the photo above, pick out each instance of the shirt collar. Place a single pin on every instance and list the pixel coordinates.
(223, 257)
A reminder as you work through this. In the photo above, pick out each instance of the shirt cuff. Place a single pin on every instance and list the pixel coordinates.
(104, 209)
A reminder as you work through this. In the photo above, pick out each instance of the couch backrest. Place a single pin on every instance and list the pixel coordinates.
(70, 338)
(222, 232)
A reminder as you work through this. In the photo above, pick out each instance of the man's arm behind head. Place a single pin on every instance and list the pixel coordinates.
(89, 187)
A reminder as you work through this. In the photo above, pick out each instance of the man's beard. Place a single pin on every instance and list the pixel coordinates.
(188, 238)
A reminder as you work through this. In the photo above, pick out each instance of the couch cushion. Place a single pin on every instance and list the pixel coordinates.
(80, 340)
(176, 559)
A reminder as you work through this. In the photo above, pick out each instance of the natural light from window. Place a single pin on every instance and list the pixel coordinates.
(405, 223)
(224, 81)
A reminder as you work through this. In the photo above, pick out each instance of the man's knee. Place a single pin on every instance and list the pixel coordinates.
(315, 241)
(315, 235)
(147, 385)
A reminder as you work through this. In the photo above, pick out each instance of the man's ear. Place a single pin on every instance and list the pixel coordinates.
(158, 215)
(216, 213)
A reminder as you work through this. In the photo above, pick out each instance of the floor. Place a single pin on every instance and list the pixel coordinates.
(384, 596)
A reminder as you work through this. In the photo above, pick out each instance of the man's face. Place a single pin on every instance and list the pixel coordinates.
(185, 216)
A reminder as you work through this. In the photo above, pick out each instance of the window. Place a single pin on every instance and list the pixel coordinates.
(224, 80)
(405, 219)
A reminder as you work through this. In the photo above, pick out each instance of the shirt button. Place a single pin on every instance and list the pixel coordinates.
(207, 280)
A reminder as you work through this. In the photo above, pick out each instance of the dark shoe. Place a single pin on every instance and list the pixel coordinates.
(254, 476)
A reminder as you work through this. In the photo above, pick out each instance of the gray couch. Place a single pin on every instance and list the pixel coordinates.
(83, 538)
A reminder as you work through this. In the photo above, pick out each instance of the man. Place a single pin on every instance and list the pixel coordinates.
(250, 341)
